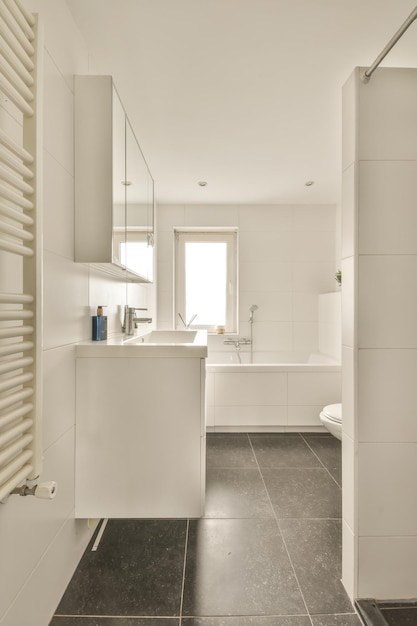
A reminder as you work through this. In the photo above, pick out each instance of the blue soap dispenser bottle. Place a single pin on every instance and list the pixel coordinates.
(99, 325)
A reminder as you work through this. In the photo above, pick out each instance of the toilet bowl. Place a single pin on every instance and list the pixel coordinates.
(331, 418)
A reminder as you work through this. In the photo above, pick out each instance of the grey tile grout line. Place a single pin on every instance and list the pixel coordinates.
(183, 572)
(320, 461)
(280, 532)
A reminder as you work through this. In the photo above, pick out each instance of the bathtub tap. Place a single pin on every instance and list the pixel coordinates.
(237, 342)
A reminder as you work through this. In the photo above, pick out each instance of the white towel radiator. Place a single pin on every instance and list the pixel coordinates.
(20, 250)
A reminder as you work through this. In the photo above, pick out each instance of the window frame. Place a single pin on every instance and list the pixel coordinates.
(226, 235)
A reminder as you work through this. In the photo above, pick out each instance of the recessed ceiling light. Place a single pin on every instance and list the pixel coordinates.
(309, 183)
(202, 183)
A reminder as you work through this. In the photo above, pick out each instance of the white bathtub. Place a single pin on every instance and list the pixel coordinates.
(278, 392)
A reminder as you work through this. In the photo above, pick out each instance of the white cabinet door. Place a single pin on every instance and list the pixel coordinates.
(139, 439)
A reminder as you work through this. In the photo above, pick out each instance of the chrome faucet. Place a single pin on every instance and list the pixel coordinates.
(130, 321)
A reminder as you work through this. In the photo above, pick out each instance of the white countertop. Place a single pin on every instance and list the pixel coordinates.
(139, 346)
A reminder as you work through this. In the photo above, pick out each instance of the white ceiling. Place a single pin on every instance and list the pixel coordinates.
(244, 94)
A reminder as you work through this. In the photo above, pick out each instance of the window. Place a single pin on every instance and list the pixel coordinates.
(206, 279)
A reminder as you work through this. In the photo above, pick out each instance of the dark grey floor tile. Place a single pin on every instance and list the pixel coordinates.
(315, 549)
(267, 620)
(229, 450)
(303, 493)
(236, 493)
(336, 472)
(136, 571)
(282, 450)
(400, 616)
(327, 448)
(239, 567)
(114, 621)
(336, 620)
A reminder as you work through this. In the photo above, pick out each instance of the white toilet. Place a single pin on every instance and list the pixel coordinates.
(331, 418)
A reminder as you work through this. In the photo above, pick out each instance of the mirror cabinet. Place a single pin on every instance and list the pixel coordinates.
(114, 189)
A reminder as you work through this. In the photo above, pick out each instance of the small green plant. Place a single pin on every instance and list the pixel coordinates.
(338, 277)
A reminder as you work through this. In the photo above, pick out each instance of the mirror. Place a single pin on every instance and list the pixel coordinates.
(119, 152)
(133, 200)
(137, 252)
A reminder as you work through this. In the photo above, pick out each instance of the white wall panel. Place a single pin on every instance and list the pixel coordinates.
(66, 311)
(387, 567)
(387, 301)
(388, 129)
(387, 395)
(319, 388)
(58, 218)
(387, 504)
(58, 393)
(58, 116)
(256, 389)
(388, 216)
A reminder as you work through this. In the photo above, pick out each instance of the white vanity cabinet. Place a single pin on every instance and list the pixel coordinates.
(114, 190)
(140, 434)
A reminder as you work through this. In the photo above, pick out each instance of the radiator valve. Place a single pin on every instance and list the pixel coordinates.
(47, 490)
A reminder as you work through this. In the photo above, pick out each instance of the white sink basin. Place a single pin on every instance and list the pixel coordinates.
(165, 337)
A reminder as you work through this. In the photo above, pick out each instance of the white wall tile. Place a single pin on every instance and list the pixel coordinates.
(349, 119)
(349, 575)
(349, 211)
(316, 388)
(66, 314)
(315, 276)
(170, 216)
(387, 215)
(273, 336)
(315, 217)
(387, 302)
(349, 473)
(165, 312)
(317, 246)
(211, 215)
(58, 116)
(58, 205)
(273, 306)
(387, 395)
(58, 393)
(348, 303)
(251, 389)
(305, 336)
(305, 307)
(329, 341)
(265, 246)
(17, 545)
(387, 567)
(388, 130)
(266, 217)
(48, 581)
(63, 40)
(266, 276)
(330, 307)
(166, 245)
(387, 491)
(165, 276)
(349, 391)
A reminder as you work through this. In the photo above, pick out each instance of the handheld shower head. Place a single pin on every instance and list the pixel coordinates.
(252, 309)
